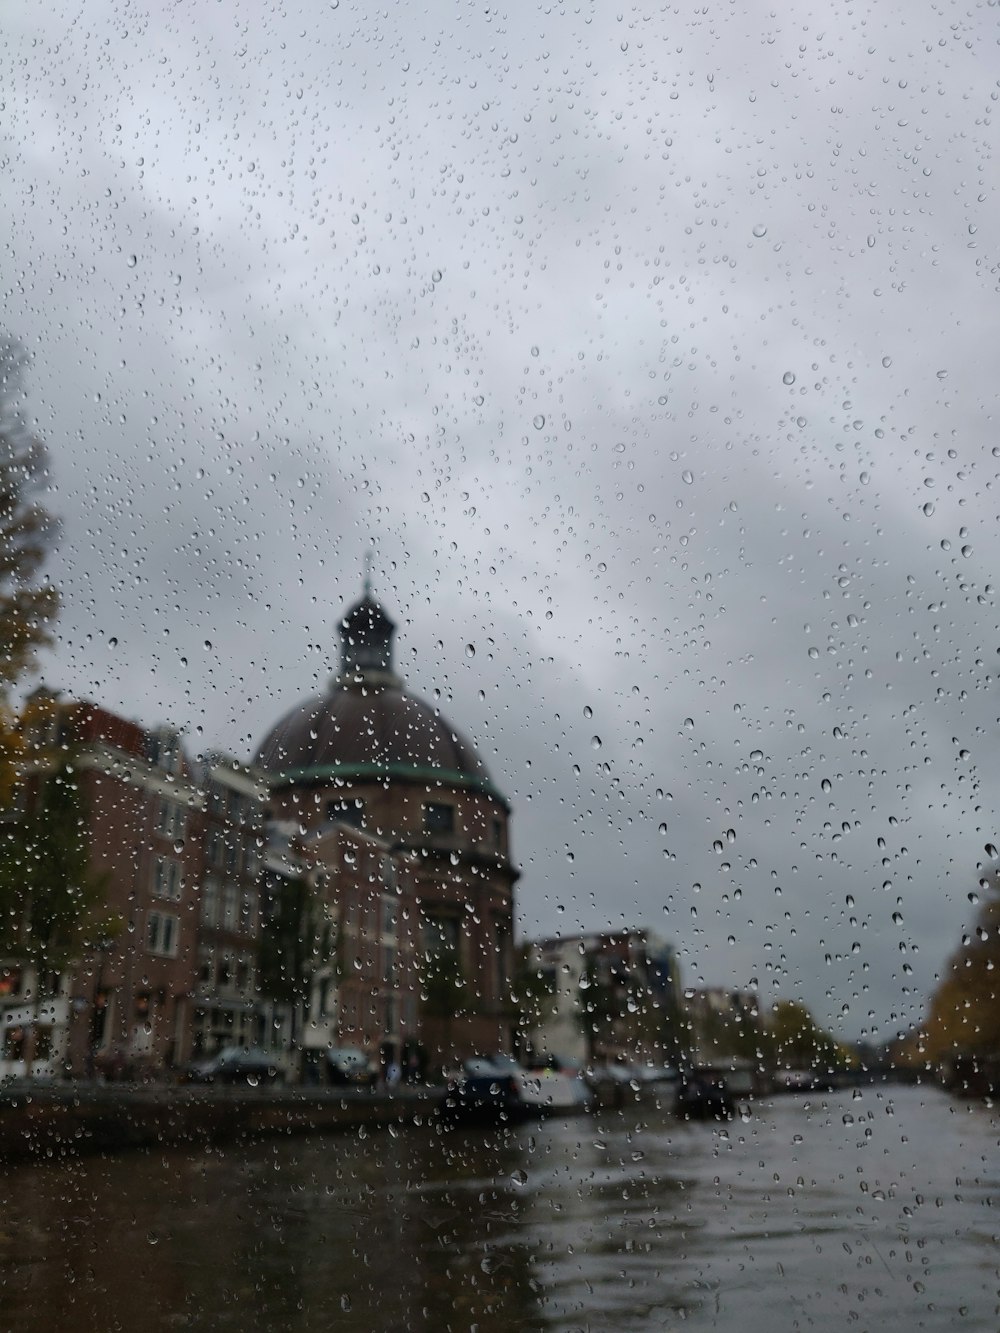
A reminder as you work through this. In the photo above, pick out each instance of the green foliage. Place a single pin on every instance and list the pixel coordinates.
(736, 1032)
(48, 893)
(294, 942)
(798, 1042)
(443, 984)
(600, 1006)
(532, 991)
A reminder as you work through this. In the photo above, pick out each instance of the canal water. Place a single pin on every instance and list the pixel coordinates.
(873, 1209)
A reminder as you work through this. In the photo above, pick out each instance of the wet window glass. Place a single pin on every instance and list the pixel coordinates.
(498, 667)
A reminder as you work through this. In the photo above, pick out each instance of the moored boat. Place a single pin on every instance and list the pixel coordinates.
(501, 1089)
(704, 1095)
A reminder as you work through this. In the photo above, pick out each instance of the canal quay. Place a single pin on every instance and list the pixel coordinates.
(871, 1208)
(41, 1122)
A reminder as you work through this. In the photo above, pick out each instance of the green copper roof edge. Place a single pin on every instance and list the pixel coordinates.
(399, 772)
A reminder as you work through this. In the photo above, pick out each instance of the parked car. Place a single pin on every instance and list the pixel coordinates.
(349, 1067)
(236, 1064)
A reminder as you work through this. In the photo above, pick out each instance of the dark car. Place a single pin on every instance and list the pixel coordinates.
(236, 1064)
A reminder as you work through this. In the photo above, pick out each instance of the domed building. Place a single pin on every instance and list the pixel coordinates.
(371, 755)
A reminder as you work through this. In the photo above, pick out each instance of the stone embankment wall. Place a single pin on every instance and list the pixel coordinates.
(48, 1121)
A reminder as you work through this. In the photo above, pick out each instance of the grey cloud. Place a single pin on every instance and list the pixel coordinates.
(517, 297)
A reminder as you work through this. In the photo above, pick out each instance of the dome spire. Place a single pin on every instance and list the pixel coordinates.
(366, 635)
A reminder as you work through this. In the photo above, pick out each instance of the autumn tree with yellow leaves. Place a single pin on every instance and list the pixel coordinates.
(28, 601)
(964, 1017)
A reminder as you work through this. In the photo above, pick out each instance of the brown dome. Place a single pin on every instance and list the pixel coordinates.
(367, 726)
(360, 730)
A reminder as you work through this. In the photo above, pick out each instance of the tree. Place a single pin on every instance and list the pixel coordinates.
(731, 1029)
(49, 895)
(28, 602)
(964, 1016)
(800, 1043)
(599, 1008)
(443, 985)
(298, 940)
(533, 995)
(443, 988)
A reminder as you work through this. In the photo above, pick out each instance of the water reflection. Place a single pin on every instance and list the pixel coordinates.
(877, 1211)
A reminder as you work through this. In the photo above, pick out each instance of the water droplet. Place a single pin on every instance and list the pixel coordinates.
(788, 377)
(929, 508)
(595, 742)
(538, 421)
(470, 650)
(687, 476)
(760, 230)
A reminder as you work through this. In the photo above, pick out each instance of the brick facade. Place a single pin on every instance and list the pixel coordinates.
(402, 855)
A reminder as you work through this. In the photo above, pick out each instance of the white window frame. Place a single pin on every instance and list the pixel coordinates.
(229, 914)
(170, 818)
(162, 932)
(168, 879)
(210, 903)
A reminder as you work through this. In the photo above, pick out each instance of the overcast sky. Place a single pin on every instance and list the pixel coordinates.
(655, 353)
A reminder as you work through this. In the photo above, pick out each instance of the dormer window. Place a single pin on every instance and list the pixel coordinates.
(349, 811)
(439, 818)
(165, 750)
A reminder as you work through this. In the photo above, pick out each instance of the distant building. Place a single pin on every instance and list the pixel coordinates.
(604, 997)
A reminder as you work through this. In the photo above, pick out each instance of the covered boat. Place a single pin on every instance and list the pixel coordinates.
(498, 1088)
